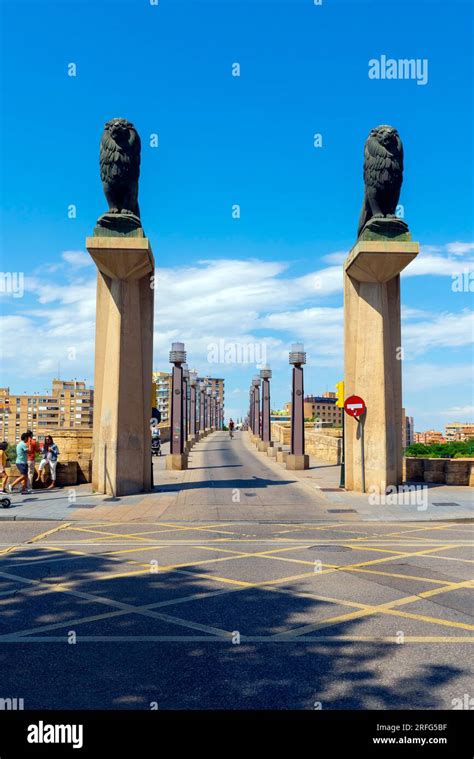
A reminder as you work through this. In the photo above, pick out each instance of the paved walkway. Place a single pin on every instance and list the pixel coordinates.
(229, 480)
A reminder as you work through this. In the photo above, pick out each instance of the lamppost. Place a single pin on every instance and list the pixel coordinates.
(251, 409)
(265, 374)
(192, 416)
(185, 405)
(208, 408)
(297, 459)
(202, 409)
(214, 410)
(256, 406)
(177, 458)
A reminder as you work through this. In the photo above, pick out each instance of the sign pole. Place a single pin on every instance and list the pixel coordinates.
(342, 481)
(355, 406)
(362, 452)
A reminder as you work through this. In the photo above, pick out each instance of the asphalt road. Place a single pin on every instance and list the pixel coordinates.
(235, 615)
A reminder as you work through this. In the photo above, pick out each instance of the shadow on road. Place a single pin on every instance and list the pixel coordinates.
(90, 596)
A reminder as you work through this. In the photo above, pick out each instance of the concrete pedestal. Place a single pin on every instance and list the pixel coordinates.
(282, 456)
(272, 451)
(373, 360)
(121, 451)
(294, 461)
(177, 461)
(262, 446)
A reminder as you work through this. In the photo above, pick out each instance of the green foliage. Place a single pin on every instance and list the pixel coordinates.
(458, 449)
(11, 453)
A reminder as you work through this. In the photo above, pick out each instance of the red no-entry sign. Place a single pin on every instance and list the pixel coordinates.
(354, 406)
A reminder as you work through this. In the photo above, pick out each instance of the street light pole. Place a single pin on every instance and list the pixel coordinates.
(265, 374)
(192, 420)
(202, 408)
(297, 459)
(256, 405)
(185, 404)
(208, 408)
(177, 459)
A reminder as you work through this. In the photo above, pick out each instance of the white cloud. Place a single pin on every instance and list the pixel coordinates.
(419, 376)
(441, 331)
(76, 258)
(251, 302)
(461, 412)
(459, 248)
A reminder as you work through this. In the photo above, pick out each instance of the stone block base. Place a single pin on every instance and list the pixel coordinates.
(177, 461)
(262, 446)
(282, 456)
(272, 452)
(297, 462)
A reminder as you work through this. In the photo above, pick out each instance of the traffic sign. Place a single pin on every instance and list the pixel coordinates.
(354, 406)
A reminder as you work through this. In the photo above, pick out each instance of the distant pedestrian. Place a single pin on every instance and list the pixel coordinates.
(231, 428)
(33, 449)
(3, 465)
(50, 456)
(21, 465)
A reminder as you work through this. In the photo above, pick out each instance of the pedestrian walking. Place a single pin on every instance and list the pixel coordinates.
(21, 465)
(3, 465)
(50, 456)
(33, 449)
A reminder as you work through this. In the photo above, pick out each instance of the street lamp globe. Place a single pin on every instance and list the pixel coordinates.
(177, 354)
(297, 354)
(265, 372)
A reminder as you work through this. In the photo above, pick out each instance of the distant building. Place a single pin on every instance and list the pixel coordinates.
(217, 385)
(69, 406)
(163, 395)
(459, 431)
(321, 408)
(408, 430)
(431, 436)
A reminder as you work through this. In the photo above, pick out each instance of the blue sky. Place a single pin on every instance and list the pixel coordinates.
(245, 140)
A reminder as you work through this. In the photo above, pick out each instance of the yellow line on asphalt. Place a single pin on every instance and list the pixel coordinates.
(431, 620)
(404, 577)
(385, 608)
(49, 532)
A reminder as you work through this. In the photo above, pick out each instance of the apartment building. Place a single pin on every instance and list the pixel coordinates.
(408, 430)
(459, 431)
(68, 406)
(321, 408)
(163, 395)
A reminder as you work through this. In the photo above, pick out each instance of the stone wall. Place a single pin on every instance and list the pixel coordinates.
(66, 474)
(325, 447)
(442, 471)
(324, 444)
(76, 445)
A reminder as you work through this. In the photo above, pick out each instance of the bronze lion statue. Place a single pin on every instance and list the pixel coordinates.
(120, 166)
(383, 174)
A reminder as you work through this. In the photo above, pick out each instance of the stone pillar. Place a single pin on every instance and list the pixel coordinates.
(373, 359)
(177, 458)
(266, 410)
(202, 409)
(256, 406)
(121, 452)
(192, 419)
(297, 459)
